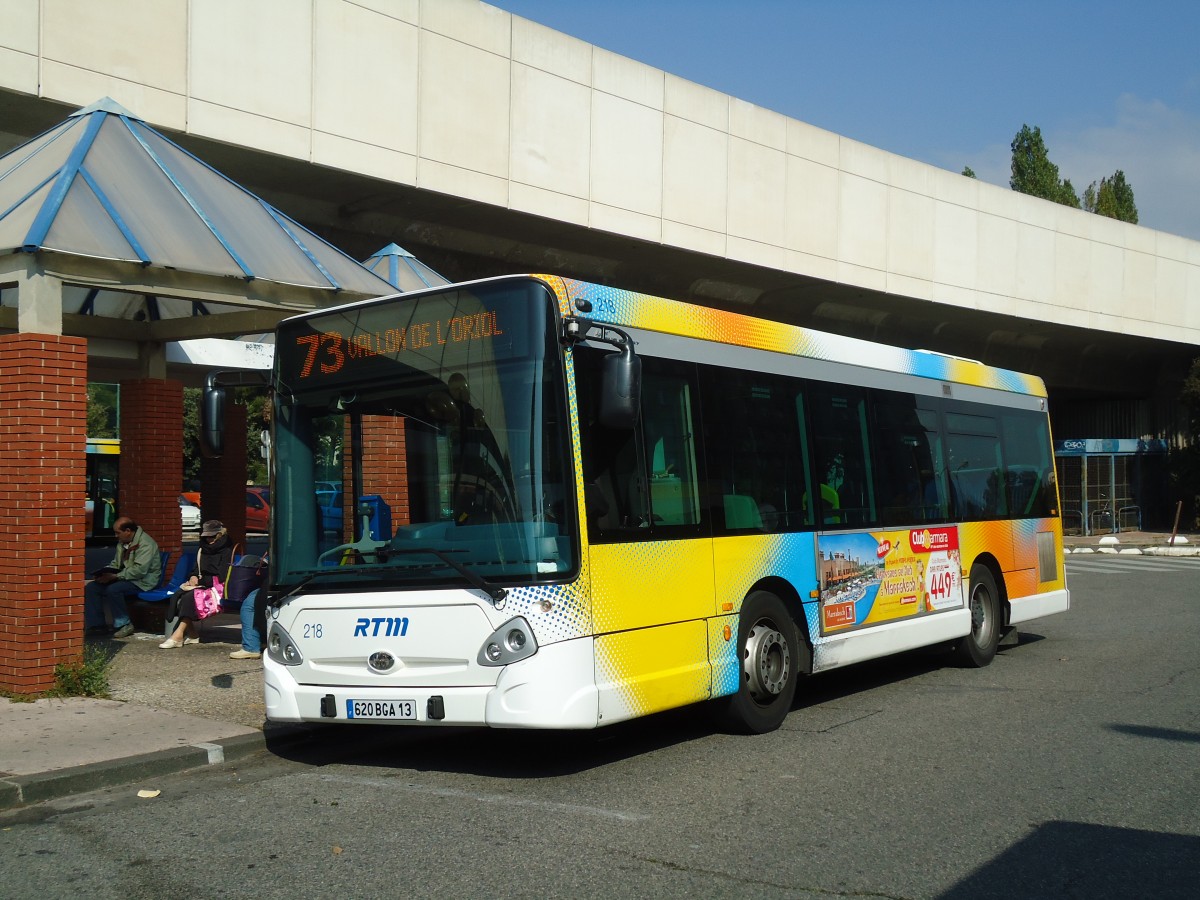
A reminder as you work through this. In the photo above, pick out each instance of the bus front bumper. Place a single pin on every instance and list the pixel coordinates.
(555, 688)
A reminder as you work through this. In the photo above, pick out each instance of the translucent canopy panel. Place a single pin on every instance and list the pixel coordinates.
(403, 270)
(104, 184)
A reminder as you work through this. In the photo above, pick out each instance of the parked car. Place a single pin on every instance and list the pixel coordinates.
(258, 508)
(188, 513)
(329, 504)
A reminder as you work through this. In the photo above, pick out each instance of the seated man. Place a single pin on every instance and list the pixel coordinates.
(136, 567)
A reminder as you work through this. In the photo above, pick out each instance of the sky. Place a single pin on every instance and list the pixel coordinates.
(1112, 85)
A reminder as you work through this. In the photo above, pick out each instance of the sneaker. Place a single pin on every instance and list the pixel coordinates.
(188, 640)
(169, 644)
(244, 654)
(124, 631)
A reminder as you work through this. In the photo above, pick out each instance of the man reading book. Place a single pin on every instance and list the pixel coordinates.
(136, 567)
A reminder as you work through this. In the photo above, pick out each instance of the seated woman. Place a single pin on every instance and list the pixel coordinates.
(216, 556)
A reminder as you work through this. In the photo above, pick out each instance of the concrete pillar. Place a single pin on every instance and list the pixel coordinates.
(43, 414)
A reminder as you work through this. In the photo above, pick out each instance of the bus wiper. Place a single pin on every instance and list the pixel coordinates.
(309, 577)
(476, 580)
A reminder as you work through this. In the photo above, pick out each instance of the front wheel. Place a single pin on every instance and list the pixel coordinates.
(769, 651)
(978, 648)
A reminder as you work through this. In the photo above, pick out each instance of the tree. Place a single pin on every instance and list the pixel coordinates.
(968, 172)
(1034, 174)
(1113, 197)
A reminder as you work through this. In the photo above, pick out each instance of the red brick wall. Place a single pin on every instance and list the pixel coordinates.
(384, 466)
(223, 481)
(43, 422)
(151, 473)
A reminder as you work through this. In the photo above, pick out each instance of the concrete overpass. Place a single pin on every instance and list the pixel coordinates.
(487, 143)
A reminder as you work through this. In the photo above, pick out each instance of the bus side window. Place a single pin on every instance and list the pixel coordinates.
(755, 450)
(612, 460)
(976, 467)
(843, 454)
(907, 479)
(1029, 469)
(668, 420)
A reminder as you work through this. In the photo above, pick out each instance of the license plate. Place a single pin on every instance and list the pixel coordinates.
(381, 709)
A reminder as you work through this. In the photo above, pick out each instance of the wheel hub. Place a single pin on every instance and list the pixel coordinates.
(768, 662)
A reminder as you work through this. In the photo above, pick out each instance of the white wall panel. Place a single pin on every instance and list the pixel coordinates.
(626, 150)
(955, 245)
(464, 106)
(253, 57)
(551, 51)
(695, 174)
(811, 208)
(365, 76)
(696, 103)
(469, 22)
(862, 222)
(141, 41)
(757, 192)
(627, 78)
(551, 132)
(462, 98)
(910, 234)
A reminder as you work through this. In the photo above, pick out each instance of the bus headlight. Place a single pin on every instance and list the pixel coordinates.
(281, 647)
(509, 643)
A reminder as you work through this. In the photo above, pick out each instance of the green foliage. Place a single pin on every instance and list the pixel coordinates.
(103, 404)
(191, 435)
(1034, 174)
(84, 677)
(1032, 171)
(1112, 197)
(254, 401)
(968, 172)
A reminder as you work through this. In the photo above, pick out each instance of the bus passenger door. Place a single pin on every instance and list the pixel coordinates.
(650, 547)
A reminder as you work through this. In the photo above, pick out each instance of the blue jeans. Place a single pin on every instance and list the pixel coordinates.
(96, 596)
(252, 641)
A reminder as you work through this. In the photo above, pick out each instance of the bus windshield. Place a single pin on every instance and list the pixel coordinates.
(423, 442)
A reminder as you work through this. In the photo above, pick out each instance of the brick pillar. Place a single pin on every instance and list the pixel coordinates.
(43, 416)
(385, 464)
(223, 481)
(151, 473)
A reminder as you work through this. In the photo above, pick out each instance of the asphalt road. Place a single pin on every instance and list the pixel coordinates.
(1068, 768)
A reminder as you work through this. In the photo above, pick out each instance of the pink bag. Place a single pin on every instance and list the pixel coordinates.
(208, 600)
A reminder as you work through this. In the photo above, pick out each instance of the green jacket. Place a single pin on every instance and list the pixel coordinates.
(140, 563)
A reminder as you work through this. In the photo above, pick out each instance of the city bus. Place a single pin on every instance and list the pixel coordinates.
(534, 502)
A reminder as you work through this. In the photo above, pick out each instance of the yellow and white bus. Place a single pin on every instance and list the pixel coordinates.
(533, 502)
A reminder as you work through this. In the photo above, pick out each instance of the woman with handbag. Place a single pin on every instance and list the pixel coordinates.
(200, 596)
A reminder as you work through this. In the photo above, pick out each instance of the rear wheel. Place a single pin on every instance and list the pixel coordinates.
(978, 648)
(769, 651)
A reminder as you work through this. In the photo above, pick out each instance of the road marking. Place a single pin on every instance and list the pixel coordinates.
(1129, 564)
(507, 800)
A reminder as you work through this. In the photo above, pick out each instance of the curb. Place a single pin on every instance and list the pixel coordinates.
(1117, 550)
(22, 790)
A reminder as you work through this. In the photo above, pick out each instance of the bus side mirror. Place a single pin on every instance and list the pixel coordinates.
(212, 419)
(620, 388)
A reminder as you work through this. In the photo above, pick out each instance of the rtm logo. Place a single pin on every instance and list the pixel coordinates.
(385, 626)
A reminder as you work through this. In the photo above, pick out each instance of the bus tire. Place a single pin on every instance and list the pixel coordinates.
(769, 650)
(978, 648)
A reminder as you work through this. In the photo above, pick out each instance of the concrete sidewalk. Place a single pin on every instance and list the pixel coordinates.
(171, 710)
(1149, 543)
